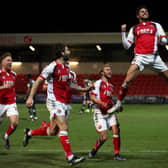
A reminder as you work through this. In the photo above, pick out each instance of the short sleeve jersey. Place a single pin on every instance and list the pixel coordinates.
(57, 76)
(103, 91)
(8, 95)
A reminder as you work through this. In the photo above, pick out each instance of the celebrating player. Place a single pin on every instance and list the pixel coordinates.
(44, 127)
(103, 119)
(146, 36)
(8, 96)
(57, 76)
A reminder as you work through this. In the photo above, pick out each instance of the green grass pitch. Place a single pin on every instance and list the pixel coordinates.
(144, 140)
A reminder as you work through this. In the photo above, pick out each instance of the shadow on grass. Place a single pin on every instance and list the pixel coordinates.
(100, 157)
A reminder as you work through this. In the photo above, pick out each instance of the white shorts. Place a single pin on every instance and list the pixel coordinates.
(152, 61)
(57, 108)
(104, 122)
(9, 109)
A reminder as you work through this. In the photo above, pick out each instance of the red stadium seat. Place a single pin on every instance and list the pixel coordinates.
(144, 85)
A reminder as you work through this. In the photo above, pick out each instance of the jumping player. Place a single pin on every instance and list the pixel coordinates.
(146, 36)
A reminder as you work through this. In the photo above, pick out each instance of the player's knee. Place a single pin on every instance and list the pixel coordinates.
(104, 137)
(116, 130)
(51, 132)
(14, 125)
(63, 126)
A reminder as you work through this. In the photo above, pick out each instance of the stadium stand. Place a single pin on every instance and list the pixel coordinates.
(144, 85)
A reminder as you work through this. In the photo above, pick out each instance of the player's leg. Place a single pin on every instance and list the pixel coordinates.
(30, 110)
(99, 142)
(160, 67)
(42, 131)
(113, 121)
(63, 134)
(131, 75)
(82, 110)
(65, 142)
(90, 106)
(11, 128)
(12, 115)
(101, 127)
(58, 118)
(34, 111)
(165, 75)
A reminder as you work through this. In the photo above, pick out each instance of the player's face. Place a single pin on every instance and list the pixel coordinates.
(107, 72)
(66, 53)
(7, 63)
(143, 14)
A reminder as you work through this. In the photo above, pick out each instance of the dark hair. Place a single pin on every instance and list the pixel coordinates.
(101, 73)
(4, 55)
(29, 76)
(58, 49)
(140, 7)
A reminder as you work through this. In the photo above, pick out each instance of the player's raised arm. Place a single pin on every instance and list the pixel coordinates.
(127, 41)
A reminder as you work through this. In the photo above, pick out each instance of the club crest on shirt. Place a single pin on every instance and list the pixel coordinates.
(59, 110)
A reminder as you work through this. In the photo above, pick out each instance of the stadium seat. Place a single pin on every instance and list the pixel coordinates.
(144, 85)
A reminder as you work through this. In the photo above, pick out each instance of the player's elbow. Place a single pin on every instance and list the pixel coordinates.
(164, 41)
(126, 45)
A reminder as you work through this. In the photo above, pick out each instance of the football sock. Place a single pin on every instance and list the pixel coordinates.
(122, 93)
(98, 144)
(10, 130)
(116, 143)
(39, 132)
(63, 137)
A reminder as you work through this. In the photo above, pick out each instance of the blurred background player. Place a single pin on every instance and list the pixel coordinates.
(57, 76)
(32, 110)
(8, 96)
(103, 120)
(146, 36)
(86, 103)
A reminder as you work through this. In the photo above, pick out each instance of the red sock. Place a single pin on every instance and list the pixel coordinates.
(116, 143)
(63, 136)
(39, 131)
(122, 93)
(44, 124)
(98, 144)
(10, 130)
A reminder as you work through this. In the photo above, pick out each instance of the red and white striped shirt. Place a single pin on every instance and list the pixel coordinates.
(103, 91)
(57, 76)
(146, 36)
